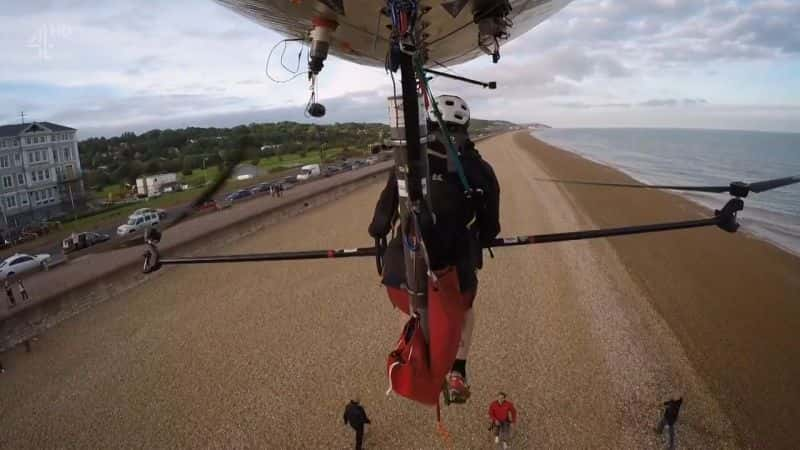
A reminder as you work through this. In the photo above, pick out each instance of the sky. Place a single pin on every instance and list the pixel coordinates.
(134, 65)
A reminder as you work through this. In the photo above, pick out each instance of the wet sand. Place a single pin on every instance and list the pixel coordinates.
(267, 355)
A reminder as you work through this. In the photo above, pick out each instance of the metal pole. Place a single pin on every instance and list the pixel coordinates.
(411, 167)
(497, 243)
(71, 199)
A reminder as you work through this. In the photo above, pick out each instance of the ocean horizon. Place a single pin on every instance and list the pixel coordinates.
(686, 156)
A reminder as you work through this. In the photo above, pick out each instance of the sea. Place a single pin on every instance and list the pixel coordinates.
(703, 157)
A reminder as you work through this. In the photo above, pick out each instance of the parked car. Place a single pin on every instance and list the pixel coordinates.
(21, 263)
(139, 222)
(238, 195)
(330, 171)
(78, 241)
(208, 205)
(162, 214)
(308, 172)
(261, 187)
(372, 160)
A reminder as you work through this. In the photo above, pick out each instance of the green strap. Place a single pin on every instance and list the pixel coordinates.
(448, 143)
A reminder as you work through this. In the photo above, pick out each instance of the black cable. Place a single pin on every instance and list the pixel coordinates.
(443, 66)
(299, 55)
(461, 55)
(450, 33)
(269, 58)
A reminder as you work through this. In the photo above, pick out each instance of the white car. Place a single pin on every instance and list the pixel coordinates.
(139, 222)
(161, 212)
(20, 263)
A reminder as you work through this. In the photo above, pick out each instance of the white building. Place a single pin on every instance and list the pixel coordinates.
(40, 172)
(151, 185)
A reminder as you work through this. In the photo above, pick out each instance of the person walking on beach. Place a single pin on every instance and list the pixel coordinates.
(22, 292)
(356, 416)
(670, 417)
(503, 414)
(12, 302)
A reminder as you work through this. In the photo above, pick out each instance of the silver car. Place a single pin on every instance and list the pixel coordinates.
(21, 263)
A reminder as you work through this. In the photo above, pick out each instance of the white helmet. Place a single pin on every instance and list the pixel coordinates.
(453, 109)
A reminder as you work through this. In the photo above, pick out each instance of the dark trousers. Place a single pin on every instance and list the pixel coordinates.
(359, 435)
(503, 431)
(671, 426)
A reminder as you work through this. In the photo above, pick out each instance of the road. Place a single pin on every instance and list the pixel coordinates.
(54, 248)
(267, 355)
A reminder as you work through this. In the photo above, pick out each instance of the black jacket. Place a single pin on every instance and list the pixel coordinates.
(464, 224)
(355, 415)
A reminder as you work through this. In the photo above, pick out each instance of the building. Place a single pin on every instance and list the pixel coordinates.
(153, 185)
(40, 172)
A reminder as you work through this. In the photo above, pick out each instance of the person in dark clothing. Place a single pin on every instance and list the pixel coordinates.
(670, 417)
(12, 302)
(356, 417)
(22, 292)
(465, 222)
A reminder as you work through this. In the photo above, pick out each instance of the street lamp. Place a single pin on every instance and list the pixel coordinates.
(205, 174)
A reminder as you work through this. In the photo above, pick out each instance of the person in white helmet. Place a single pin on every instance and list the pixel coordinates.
(467, 220)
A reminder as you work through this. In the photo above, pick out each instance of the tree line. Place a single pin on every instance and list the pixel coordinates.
(123, 158)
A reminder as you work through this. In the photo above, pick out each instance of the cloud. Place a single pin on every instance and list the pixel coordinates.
(180, 111)
(106, 66)
(673, 102)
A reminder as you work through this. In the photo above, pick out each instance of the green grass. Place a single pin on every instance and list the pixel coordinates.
(273, 165)
(199, 176)
(120, 214)
(292, 160)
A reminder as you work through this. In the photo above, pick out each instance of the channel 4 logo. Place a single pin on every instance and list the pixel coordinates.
(45, 39)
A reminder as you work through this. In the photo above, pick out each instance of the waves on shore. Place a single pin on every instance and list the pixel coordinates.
(680, 156)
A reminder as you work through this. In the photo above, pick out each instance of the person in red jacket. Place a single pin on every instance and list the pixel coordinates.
(503, 414)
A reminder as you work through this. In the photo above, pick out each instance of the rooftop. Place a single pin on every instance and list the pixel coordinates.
(18, 129)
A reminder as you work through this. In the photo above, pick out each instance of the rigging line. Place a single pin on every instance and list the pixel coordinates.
(473, 21)
(269, 58)
(452, 58)
(299, 55)
(443, 66)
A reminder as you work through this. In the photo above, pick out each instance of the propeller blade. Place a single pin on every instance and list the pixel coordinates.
(737, 188)
(715, 189)
(762, 186)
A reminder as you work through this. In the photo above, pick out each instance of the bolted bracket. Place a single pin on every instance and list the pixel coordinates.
(727, 215)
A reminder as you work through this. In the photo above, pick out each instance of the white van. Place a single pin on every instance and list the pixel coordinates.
(308, 172)
(139, 222)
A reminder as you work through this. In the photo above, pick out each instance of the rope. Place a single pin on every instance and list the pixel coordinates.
(447, 439)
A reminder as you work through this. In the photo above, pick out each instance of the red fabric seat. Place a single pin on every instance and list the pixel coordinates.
(418, 369)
